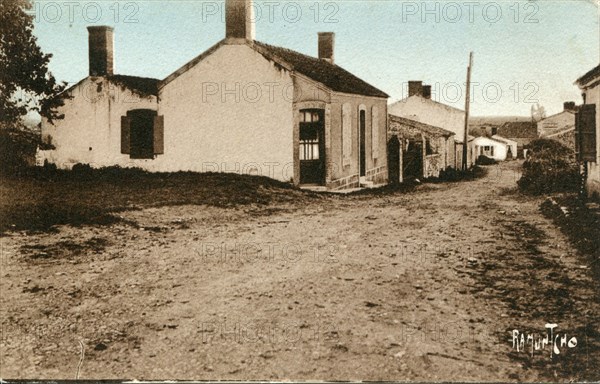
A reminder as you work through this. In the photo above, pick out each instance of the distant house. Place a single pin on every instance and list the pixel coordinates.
(587, 129)
(560, 126)
(492, 148)
(523, 132)
(417, 150)
(419, 106)
(511, 150)
(241, 106)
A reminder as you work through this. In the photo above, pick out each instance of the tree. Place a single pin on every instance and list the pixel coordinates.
(26, 84)
(538, 113)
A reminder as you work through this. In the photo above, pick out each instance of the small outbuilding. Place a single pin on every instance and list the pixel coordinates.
(417, 150)
(492, 148)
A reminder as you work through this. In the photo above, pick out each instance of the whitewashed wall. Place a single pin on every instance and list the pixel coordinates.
(90, 133)
(225, 117)
(500, 149)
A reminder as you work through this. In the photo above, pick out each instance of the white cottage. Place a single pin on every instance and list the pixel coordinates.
(242, 106)
(492, 148)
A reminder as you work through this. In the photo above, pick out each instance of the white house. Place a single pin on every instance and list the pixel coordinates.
(242, 106)
(587, 129)
(492, 148)
(419, 106)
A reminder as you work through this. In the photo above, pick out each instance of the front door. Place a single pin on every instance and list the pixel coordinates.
(412, 160)
(363, 156)
(394, 160)
(312, 147)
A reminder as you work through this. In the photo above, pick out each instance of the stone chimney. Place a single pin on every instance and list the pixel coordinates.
(569, 105)
(415, 88)
(239, 19)
(101, 41)
(426, 91)
(326, 46)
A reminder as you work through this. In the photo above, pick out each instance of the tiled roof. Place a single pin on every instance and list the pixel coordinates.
(518, 129)
(334, 77)
(144, 86)
(430, 129)
(589, 76)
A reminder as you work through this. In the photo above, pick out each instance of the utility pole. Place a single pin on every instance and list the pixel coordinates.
(467, 107)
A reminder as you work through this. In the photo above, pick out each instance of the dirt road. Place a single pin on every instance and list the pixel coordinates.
(427, 285)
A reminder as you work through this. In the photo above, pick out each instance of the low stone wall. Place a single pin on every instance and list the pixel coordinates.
(344, 183)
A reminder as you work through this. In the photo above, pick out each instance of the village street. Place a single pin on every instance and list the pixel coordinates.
(425, 285)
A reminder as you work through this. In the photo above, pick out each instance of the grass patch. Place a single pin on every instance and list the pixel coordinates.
(42, 198)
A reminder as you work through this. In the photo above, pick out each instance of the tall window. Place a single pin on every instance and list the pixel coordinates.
(375, 132)
(347, 134)
(309, 136)
(142, 134)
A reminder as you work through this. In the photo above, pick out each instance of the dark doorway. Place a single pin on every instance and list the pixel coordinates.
(412, 164)
(312, 146)
(363, 157)
(394, 160)
(142, 133)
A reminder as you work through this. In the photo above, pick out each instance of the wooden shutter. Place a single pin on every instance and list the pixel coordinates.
(125, 135)
(159, 135)
(585, 133)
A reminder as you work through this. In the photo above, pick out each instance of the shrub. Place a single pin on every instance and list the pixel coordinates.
(451, 175)
(17, 149)
(550, 167)
(484, 160)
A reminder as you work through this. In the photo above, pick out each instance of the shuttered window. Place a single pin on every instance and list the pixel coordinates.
(142, 134)
(375, 132)
(585, 133)
(347, 133)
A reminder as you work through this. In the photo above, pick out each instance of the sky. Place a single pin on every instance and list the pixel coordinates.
(525, 52)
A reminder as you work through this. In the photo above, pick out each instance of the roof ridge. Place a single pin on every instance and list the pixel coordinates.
(136, 77)
(297, 53)
(318, 74)
(588, 75)
(430, 100)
